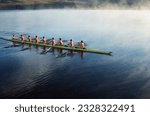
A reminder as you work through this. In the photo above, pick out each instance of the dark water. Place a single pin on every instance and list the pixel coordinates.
(27, 73)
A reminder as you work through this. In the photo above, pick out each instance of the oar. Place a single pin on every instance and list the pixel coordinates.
(49, 49)
(46, 51)
(25, 49)
(61, 55)
(11, 46)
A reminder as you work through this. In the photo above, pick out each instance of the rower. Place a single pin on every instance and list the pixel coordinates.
(36, 39)
(60, 42)
(52, 42)
(71, 44)
(82, 45)
(22, 38)
(44, 40)
(29, 39)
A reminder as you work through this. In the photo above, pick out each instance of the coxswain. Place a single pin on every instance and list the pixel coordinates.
(14, 38)
(60, 42)
(29, 39)
(36, 39)
(71, 44)
(22, 38)
(44, 40)
(82, 45)
(52, 42)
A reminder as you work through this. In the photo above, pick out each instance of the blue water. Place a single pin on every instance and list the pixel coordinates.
(27, 73)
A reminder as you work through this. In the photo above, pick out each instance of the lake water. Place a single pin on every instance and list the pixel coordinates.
(27, 73)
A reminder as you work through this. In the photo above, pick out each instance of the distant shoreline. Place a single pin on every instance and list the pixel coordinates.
(36, 6)
(41, 7)
(67, 5)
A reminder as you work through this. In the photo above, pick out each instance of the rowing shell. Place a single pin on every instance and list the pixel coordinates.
(60, 47)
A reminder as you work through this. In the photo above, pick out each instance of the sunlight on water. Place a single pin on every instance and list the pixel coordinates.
(80, 24)
(124, 32)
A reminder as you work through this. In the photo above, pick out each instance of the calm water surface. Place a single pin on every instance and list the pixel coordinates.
(27, 73)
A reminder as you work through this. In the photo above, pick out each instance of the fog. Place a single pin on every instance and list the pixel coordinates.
(113, 4)
(77, 4)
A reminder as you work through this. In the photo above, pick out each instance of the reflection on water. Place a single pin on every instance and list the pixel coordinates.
(32, 72)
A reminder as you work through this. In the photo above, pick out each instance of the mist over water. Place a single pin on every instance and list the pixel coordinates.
(112, 4)
(75, 4)
(32, 75)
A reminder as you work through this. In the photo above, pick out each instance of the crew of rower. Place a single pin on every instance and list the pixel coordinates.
(29, 39)
(82, 45)
(22, 38)
(60, 42)
(52, 41)
(71, 44)
(36, 39)
(44, 40)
